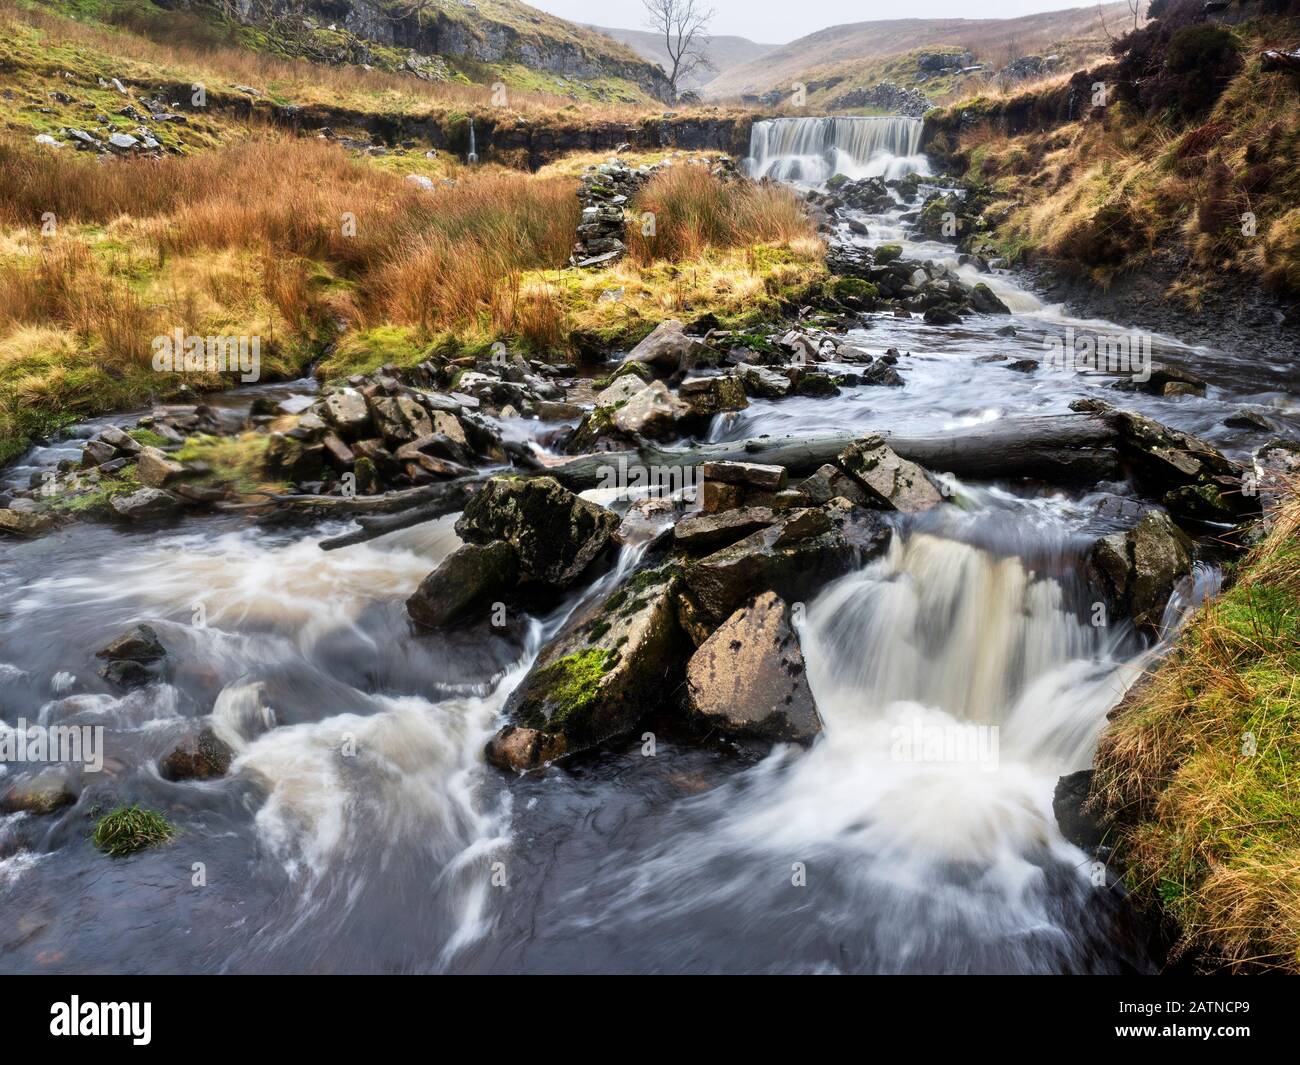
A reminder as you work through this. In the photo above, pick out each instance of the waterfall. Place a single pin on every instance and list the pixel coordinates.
(472, 157)
(810, 150)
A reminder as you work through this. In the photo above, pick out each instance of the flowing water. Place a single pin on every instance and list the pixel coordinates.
(360, 830)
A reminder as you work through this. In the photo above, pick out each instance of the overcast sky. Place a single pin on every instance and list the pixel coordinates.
(780, 21)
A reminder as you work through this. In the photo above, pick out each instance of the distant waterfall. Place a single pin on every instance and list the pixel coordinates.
(810, 150)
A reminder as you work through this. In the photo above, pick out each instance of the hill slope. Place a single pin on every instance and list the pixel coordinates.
(724, 53)
(841, 49)
(435, 40)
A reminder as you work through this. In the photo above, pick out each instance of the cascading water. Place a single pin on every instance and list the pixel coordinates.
(811, 150)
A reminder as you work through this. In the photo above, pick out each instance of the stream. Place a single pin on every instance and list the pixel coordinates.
(413, 855)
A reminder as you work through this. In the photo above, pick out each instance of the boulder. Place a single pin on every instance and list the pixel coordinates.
(707, 396)
(1138, 569)
(1189, 476)
(749, 679)
(747, 474)
(147, 504)
(708, 532)
(25, 523)
(1069, 804)
(762, 383)
(668, 348)
(521, 749)
(983, 299)
(470, 579)
(555, 533)
(155, 470)
(138, 644)
(610, 665)
(792, 557)
(620, 390)
(346, 410)
(38, 793)
(201, 755)
(652, 412)
(829, 482)
(890, 482)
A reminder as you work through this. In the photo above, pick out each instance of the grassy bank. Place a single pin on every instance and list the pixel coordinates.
(1201, 769)
(293, 241)
(1197, 162)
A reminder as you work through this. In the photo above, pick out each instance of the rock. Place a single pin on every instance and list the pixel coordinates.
(1165, 380)
(620, 390)
(983, 299)
(707, 396)
(138, 644)
(120, 440)
(96, 453)
(707, 532)
(521, 749)
(25, 523)
(147, 504)
(555, 534)
(669, 348)
(830, 482)
(716, 497)
(201, 755)
(346, 410)
(1189, 476)
(1069, 800)
(763, 383)
(471, 578)
(1023, 365)
(1247, 419)
(39, 793)
(750, 474)
(890, 482)
(652, 412)
(1138, 569)
(941, 315)
(607, 668)
(155, 470)
(775, 559)
(881, 373)
(749, 678)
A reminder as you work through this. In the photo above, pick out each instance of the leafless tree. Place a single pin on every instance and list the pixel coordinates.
(683, 25)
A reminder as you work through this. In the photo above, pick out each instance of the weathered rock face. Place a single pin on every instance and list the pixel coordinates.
(596, 680)
(1137, 570)
(749, 679)
(199, 756)
(792, 557)
(707, 532)
(147, 504)
(1189, 476)
(469, 580)
(668, 349)
(554, 533)
(1069, 802)
(890, 482)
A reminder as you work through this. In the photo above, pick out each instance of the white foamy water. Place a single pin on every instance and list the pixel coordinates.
(808, 151)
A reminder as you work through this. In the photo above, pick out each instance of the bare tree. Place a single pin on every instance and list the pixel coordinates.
(684, 25)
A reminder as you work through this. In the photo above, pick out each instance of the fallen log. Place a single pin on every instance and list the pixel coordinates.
(1068, 448)
(1061, 448)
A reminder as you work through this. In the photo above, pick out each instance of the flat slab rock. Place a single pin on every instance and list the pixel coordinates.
(749, 677)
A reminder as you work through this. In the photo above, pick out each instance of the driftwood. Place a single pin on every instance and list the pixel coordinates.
(1061, 448)
(1071, 448)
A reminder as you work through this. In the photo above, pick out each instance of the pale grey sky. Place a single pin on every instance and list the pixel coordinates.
(781, 21)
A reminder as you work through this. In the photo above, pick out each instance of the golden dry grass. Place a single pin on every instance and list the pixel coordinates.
(1201, 768)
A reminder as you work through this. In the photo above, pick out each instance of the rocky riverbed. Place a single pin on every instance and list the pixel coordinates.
(497, 664)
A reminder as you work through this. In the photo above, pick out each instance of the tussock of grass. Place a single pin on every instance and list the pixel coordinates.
(129, 829)
(1201, 767)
